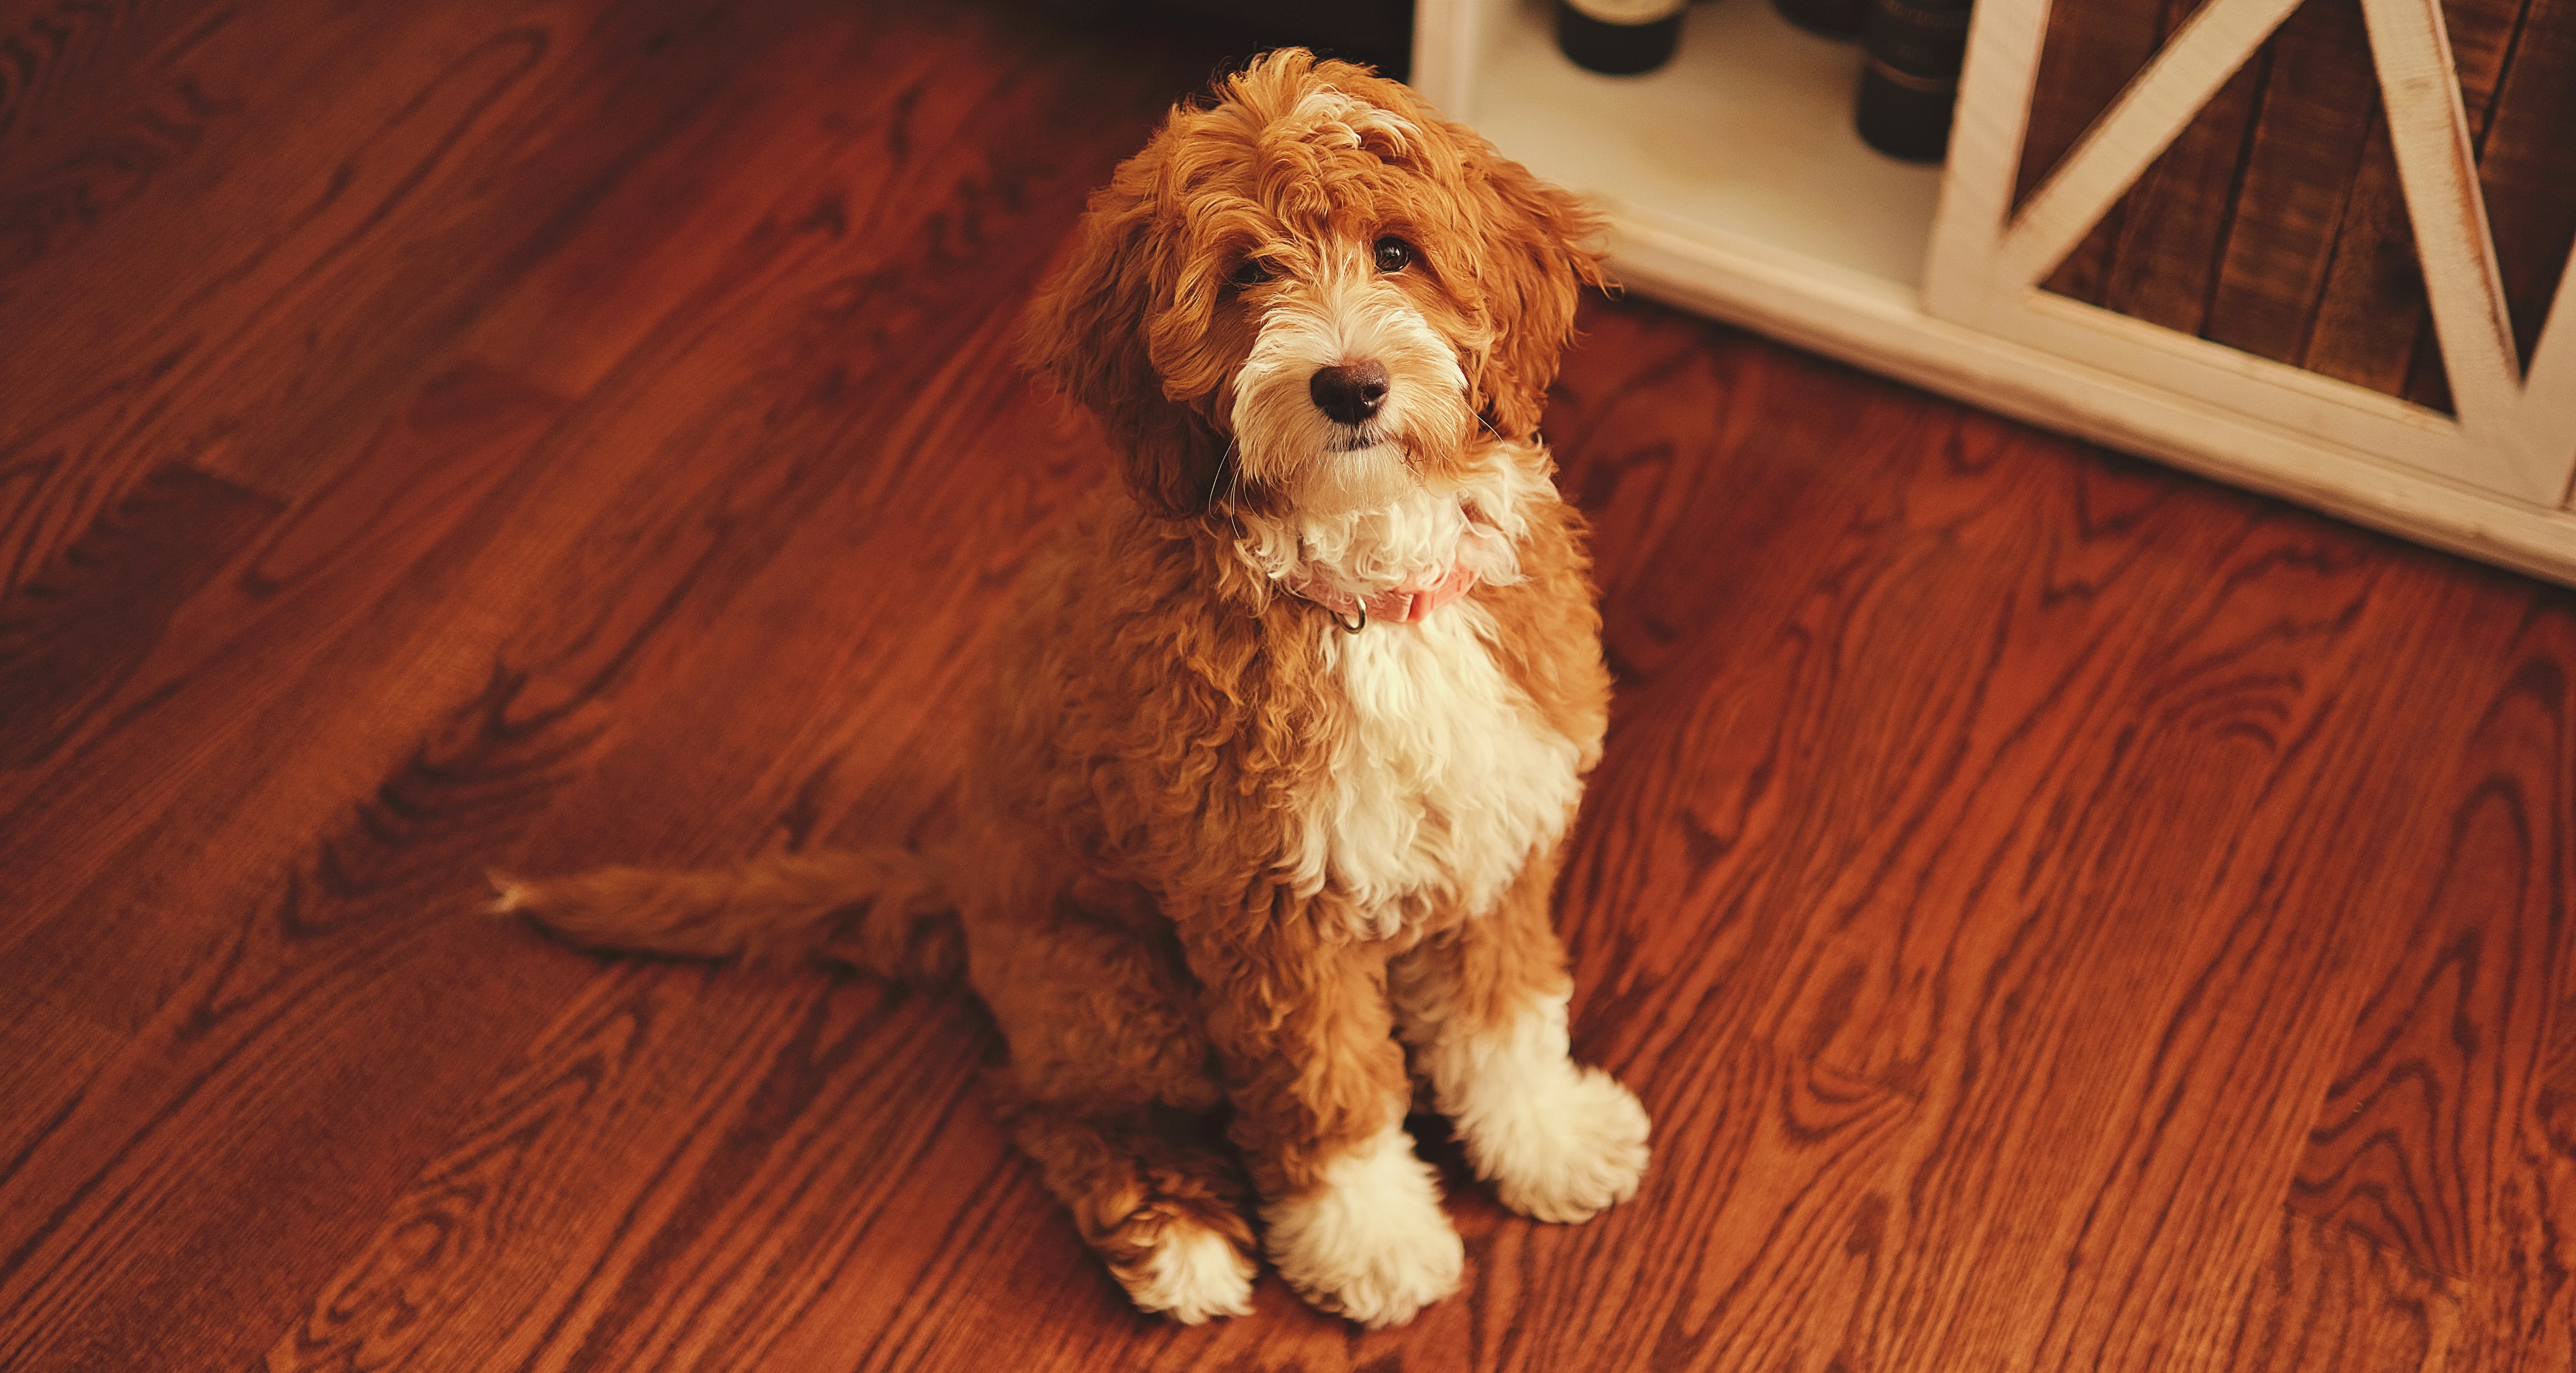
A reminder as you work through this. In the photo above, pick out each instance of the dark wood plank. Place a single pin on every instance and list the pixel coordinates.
(2088, 54)
(2274, 223)
(2155, 256)
(2522, 169)
(2373, 318)
(71, 636)
(2320, 98)
(2374, 324)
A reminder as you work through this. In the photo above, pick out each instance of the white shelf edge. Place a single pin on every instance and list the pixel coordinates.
(1879, 326)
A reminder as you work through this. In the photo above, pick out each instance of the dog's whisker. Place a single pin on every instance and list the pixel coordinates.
(1218, 476)
(1229, 474)
(1233, 488)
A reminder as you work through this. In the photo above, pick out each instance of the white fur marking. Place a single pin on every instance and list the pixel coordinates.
(1416, 537)
(1449, 780)
(1197, 1274)
(1559, 1142)
(1371, 1241)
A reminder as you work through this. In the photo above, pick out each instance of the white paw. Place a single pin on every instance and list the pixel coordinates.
(1563, 1149)
(1371, 1242)
(1195, 1274)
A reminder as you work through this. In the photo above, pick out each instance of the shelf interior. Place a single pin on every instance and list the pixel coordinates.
(1746, 134)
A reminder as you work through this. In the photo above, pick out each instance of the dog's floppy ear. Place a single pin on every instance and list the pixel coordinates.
(1088, 330)
(1535, 250)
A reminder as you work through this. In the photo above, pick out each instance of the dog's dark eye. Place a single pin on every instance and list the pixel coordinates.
(1253, 272)
(1393, 254)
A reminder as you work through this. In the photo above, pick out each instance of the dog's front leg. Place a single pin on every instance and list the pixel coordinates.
(1483, 1004)
(1302, 1028)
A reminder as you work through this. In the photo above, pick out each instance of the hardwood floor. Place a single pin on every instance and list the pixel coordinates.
(2060, 913)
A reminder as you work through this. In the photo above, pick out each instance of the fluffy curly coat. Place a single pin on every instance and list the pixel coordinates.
(1237, 844)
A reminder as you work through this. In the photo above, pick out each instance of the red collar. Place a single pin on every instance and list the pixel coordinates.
(1407, 604)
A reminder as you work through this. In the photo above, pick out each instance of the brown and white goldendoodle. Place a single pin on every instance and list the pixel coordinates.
(1287, 731)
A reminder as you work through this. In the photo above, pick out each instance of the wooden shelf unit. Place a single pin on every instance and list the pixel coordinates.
(1735, 187)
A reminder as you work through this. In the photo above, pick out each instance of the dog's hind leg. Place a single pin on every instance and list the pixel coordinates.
(1110, 1080)
(1164, 1211)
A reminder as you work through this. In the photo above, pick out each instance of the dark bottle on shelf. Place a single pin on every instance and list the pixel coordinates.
(1833, 18)
(1909, 82)
(1619, 37)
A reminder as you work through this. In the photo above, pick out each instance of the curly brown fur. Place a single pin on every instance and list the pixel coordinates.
(1230, 852)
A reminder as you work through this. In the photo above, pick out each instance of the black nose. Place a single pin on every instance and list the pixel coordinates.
(1351, 392)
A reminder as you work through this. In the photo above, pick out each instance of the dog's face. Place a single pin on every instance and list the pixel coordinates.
(1313, 290)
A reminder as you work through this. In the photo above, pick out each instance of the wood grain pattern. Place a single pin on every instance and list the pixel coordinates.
(2059, 913)
(2430, 1147)
(2328, 1298)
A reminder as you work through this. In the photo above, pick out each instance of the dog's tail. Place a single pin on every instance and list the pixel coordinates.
(884, 911)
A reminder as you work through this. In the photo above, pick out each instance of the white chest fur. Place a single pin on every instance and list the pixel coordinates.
(1448, 780)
